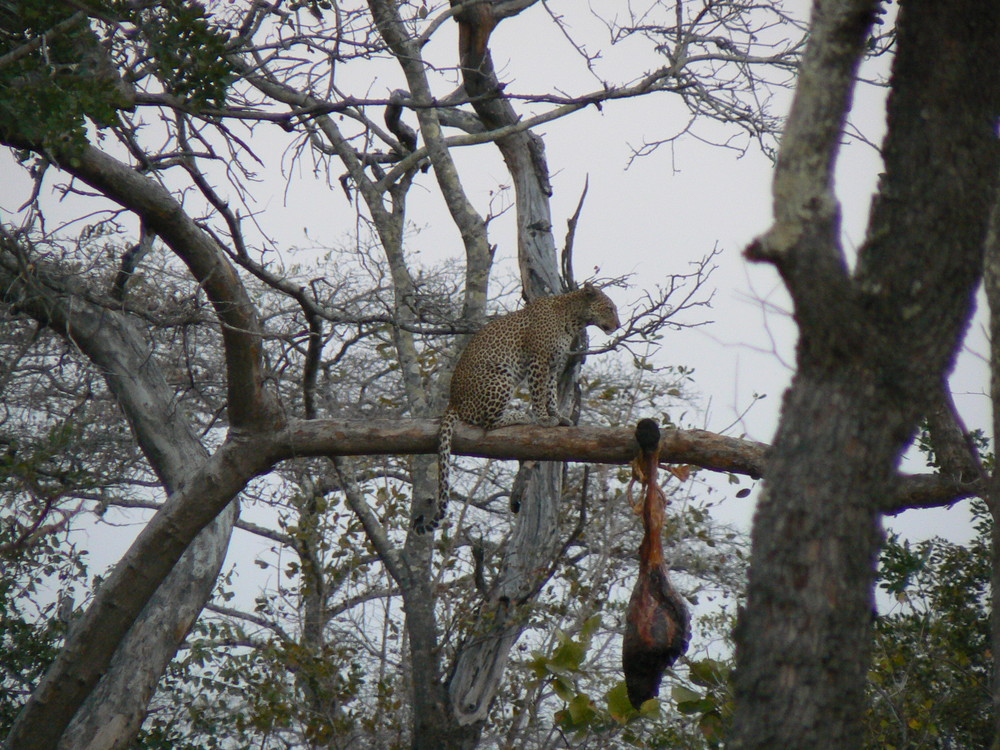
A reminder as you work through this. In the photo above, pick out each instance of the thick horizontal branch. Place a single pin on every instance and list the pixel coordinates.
(608, 445)
(611, 445)
(917, 491)
(222, 476)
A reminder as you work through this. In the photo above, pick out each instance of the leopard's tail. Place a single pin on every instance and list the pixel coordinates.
(425, 522)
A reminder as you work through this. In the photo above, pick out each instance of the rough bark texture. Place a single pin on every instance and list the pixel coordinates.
(115, 652)
(991, 283)
(480, 663)
(199, 489)
(94, 639)
(113, 712)
(873, 348)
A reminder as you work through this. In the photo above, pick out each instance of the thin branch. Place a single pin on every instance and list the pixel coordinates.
(388, 553)
(261, 622)
(28, 47)
(571, 224)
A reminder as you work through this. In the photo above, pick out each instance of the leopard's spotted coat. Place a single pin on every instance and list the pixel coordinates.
(533, 342)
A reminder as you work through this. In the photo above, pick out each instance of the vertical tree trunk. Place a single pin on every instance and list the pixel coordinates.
(991, 282)
(113, 713)
(116, 708)
(480, 662)
(123, 607)
(803, 644)
(872, 350)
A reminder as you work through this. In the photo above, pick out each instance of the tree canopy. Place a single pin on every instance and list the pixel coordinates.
(169, 360)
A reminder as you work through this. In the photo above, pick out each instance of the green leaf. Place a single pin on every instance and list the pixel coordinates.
(564, 688)
(709, 673)
(711, 726)
(569, 654)
(650, 709)
(682, 694)
(619, 706)
(581, 709)
(590, 627)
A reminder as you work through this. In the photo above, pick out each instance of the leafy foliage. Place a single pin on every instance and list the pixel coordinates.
(696, 715)
(321, 656)
(57, 70)
(229, 686)
(189, 52)
(34, 561)
(53, 75)
(930, 678)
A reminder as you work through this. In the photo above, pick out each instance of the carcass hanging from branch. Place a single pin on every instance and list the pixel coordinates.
(658, 625)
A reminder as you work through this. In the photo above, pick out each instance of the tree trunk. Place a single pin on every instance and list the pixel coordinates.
(114, 711)
(873, 348)
(481, 661)
(200, 488)
(991, 283)
(804, 641)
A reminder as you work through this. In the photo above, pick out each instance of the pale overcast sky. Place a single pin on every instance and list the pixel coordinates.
(664, 212)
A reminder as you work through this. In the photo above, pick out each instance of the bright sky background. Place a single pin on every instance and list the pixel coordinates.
(655, 217)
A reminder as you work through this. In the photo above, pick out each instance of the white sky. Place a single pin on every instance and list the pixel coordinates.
(664, 212)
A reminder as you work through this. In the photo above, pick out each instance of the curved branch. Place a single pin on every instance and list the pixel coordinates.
(466, 218)
(142, 608)
(250, 404)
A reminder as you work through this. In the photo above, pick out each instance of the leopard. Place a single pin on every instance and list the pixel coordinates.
(531, 344)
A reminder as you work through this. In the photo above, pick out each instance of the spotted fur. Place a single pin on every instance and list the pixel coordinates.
(532, 343)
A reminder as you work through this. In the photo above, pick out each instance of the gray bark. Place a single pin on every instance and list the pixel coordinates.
(113, 712)
(199, 490)
(470, 224)
(991, 283)
(91, 644)
(480, 663)
(873, 349)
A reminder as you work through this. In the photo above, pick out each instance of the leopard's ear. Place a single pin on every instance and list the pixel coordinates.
(589, 288)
